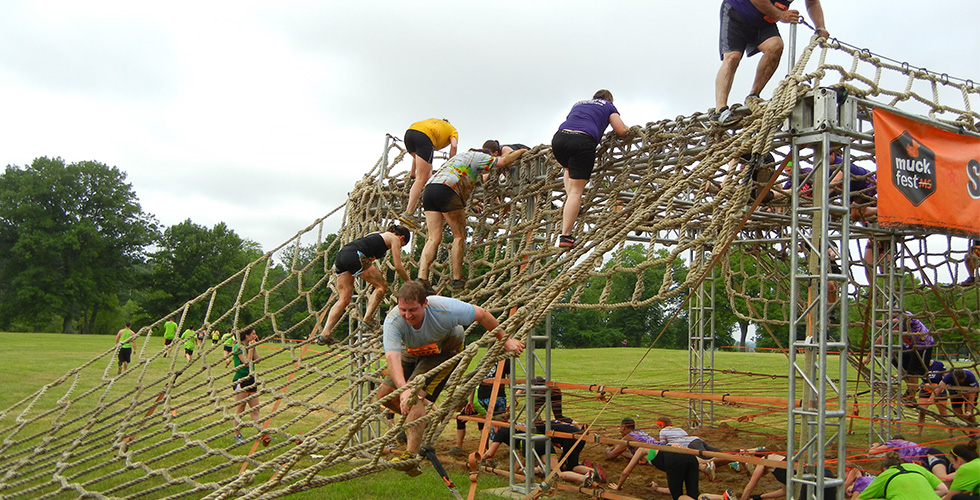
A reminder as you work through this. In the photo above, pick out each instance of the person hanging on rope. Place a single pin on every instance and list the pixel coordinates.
(169, 332)
(421, 334)
(749, 26)
(574, 146)
(444, 200)
(422, 140)
(900, 480)
(931, 458)
(357, 259)
(245, 356)
(493, 147)
(962, 386)
(124, 338)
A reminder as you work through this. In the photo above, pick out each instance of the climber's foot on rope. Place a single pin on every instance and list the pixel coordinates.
(403, 463)
(459, 284)
(325, 340)
(566, 240)
(410, 221)
(428, 287)
(266, 440)
(754, 98)
(724, 117)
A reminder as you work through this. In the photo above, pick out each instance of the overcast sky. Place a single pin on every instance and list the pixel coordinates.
(264, 114)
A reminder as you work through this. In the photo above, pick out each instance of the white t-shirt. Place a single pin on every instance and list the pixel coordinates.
(444, 319)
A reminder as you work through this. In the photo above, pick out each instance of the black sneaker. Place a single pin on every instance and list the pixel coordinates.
(969, 281)
(459, 284)
(566, 241)
(428, 288)
(321, 340)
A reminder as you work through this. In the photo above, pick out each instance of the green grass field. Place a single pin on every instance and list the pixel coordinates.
(29, 362)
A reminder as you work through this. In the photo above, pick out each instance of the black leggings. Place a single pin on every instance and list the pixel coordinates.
(965, 496)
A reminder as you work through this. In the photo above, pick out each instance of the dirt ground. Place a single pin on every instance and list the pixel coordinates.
(722, 436)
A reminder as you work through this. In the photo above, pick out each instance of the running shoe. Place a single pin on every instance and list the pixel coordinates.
(728, 495)
(723, 117)
(459, 284)
(403, 463)
(566, 241)
(325, 340)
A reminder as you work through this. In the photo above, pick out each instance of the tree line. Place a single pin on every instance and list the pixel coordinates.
(78, 254)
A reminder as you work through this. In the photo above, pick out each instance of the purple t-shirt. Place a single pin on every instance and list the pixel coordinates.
(971, 380)
(642, 437)
(861, 483)
(748, 14)
(917, 333)
(907, 450)
(590, 116)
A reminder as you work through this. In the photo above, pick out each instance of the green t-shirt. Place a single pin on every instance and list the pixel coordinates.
(126, 339)
(228, 339)
(967, 478)
(189, 337)
(169, 330)
(241, 369)
(916, 484)
(215, 335)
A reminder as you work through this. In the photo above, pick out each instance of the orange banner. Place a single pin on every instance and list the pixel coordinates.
(928, 178)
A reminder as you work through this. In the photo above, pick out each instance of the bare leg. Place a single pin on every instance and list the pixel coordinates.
(725, 77)
(345, 289)
(573, 202)
(373, 276)
(414, 434)
(457, 224)
(423, 170)
(772, 51)
(433, 222)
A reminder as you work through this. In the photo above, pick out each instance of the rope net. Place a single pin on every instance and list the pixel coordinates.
(166, 427)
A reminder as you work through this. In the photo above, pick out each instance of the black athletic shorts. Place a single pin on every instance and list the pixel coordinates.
(227, 348)
(248, 383)
(441, 198)
(576, 152)
(420, 144)
(125, 353)
(168, 341)
(699, 445)
(738, 36)
(349, 260)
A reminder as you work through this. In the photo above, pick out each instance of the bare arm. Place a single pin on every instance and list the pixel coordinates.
(394, 359)
(490, 323)
(617, 124)
(941, 489)
(509, 158)
(815, 10)
(396, 258)
(628, 470)
(773, 12)
(453, 143)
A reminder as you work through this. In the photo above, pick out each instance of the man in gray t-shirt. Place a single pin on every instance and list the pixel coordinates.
(421, 334)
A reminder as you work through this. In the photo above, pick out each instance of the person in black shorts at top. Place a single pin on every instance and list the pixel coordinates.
(749, 26)
(357, 259)
(574, 146)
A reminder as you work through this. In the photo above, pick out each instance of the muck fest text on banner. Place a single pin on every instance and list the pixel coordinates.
(927, 178)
